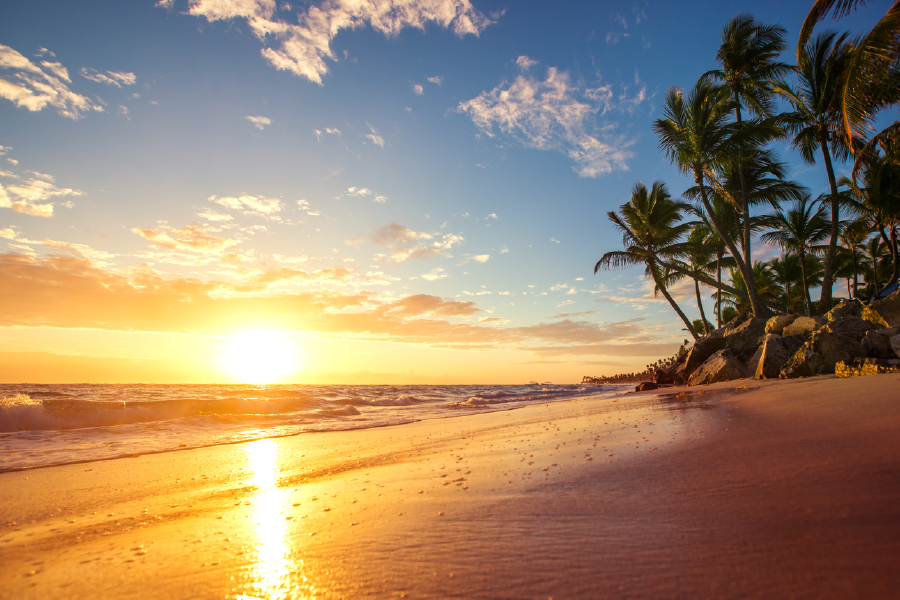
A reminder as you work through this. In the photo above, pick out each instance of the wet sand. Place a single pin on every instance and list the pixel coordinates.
(751, 489)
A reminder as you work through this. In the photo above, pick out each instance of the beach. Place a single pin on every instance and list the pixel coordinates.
(745, 489)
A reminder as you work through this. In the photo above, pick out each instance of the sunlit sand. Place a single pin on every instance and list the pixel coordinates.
(778, 489)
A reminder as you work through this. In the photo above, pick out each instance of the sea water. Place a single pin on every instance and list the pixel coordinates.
(43, 425)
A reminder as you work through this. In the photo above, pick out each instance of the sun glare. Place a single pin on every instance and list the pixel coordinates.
(260, 357)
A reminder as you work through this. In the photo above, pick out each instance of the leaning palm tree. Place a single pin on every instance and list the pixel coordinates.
(801, 229)
(697, 137)
(815, 123)
(749, 57)
(652, 229)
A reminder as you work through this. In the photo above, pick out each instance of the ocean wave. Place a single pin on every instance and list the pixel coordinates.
(401, 400)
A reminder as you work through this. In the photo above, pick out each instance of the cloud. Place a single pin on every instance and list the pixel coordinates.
(525, 63)
(418, 89)
(124, 112)
(554, 114)
(30, 196)
(406, 244)
(423, 304)
(554, 240)
(191, 238)
(302, 48)
(480, 258)
(211, 215)
(33, 87)
(375, 138)
(261, 122)
(361, 192)
(115, 78)
(436, 80)
(251, 205)
(583, 313)
(492, 216)
(435, 274)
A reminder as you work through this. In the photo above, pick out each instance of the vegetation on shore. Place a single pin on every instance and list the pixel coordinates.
(719, 133)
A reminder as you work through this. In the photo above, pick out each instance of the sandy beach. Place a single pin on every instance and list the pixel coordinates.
(748, 489)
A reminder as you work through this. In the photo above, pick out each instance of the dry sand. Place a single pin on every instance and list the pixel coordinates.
(787, 489)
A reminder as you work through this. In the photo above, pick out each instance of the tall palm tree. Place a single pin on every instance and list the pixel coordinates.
(787, 272)
(697, 136)
(749, 58)
(801, 229)
(852, 237)
(699, 256)
(652, 229)
(765, 283)
(815, 123)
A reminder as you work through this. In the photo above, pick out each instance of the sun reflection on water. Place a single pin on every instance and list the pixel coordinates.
(273, 563)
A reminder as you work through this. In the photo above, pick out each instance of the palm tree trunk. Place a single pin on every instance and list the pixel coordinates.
(700, 306)
(828, 274)
(745, 194)
(805, 284)
(891, 243)
(665, 293)
(756, 303)
(719, 294)
(855, 272)
(712, 282)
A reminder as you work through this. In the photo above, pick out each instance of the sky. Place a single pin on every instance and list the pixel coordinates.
(382, 192)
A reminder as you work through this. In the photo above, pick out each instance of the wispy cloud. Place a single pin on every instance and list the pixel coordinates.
(114, 78)
(302, 48)
(251, 205)
(259, 122)
(436, 80)
(554, 114)
(435, 274)
(418, 89)
(363, 192)
(191, 238)
(30, 196)
(407, 244)
(33, 86)
(374, 137)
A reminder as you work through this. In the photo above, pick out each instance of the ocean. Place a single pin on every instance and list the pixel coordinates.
(44, 425)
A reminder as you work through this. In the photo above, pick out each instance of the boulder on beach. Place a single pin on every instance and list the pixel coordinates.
(745, 337)
(895, 344)
(877, 344)
(846, 308)
(646, 385)
(721, 366)
(819, 355)
(858, 367)
(772, 354)
(777, 323)
(850, 326)
(804, 326)
(701, 351)
(885, 312)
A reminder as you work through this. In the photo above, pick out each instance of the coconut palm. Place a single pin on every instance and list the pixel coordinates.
(815, 123)
(700, 256)
(749, 58)
(652, 229)
(765, 283)
(852, 237)
(698, 138)
(787, 272)
(801, 229)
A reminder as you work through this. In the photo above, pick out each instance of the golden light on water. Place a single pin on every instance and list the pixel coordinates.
(260, 357)
(270, 573)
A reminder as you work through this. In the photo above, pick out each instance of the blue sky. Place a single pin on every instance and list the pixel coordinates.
(427, 183)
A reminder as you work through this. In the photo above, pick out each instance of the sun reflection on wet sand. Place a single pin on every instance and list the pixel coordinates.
(271, 572)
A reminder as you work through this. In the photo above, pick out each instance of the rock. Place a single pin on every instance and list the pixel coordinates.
(895, 344)
(821, 352)
(646, 385)
(857, 367)
(772, 355)
(877, 345)
(777, 323)
(701, 351)
(845, 309)
(804, 326)
(745, 337)
(850, 326)
(721, 366)
(884, 312)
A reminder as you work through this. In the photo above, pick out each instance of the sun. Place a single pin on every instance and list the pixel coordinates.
(260, 357)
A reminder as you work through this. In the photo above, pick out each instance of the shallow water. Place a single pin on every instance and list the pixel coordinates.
(43, 425)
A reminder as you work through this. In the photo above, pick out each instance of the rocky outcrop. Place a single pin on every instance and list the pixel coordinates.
(777, 323)
(745, 337)
(850, 326)
(701, 351)
(847, 308)
(895, 344)
(885, 312)
(819, 355)
(721, 366)
(646, 385)
(866, 366)
(772, 354)
(804, 326)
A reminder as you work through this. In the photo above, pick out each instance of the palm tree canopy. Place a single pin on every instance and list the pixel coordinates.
(802, 228)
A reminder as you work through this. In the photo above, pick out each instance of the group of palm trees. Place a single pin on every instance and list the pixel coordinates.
(720, 132)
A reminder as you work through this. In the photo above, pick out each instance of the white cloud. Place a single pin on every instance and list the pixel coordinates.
(211, 215)
(525, 63)
(554, 240)
(435, 274)
(251, 205)
(262, 122)
(437, 80)
(303, 47)
(124, 112)
(34, 87)
(333, 130)
(492, 216)
(504, 250)
(376, 139)
(553, 114)
(479, 258)
(406, 244)
(30, 197)
(116, 78)
(361, 192)
(418, 89)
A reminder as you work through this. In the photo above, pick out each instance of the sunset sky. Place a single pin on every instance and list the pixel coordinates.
(411, 192)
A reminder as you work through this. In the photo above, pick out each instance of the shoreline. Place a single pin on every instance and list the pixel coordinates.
(781, 489)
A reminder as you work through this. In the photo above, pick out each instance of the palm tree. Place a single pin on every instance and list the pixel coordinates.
(801, 229)
(697, 137)
(787, 272)
(815, 123)
(765, 283)
(875, 257)
(749, 58)
(651, 228)
(699, 256)
(852, 237)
